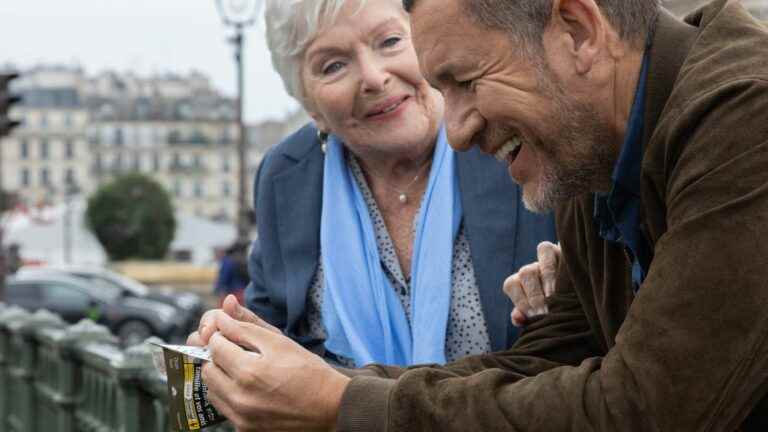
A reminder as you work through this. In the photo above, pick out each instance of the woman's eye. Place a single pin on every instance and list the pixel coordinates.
(332, 68)
(391, 41)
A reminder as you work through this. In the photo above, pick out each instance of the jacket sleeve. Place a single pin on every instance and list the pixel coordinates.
(256, 294)
(693, 350)
(563, 337)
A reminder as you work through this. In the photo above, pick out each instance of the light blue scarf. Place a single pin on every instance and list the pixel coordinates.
(363, 316)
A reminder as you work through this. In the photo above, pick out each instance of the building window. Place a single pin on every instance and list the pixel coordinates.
(24, 149)
(226, 189)
(198, 189)
(117, 164)
(196, 161)
(44, 149)
(175, 161)
(119, 139)
(25, 177)
(69, 177)
(155, 162)
(45, 177)
(174, 137)
(136, 165)
(177, 188)
(99, 163)
(225, 167)
(69, 149)
(68, 119)
(43, 120)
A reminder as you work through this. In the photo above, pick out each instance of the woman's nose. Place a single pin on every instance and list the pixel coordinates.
(374, 76)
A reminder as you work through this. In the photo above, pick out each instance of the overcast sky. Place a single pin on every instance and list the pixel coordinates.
(145, 36)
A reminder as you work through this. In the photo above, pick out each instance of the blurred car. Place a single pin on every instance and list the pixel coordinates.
(132, 313)
(189, 303)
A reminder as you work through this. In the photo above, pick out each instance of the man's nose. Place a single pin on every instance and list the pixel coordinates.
(461, 123)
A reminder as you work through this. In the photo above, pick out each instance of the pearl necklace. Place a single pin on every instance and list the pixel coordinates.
(403, 192)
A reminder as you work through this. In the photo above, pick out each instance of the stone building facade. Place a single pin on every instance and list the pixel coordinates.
(80, 131)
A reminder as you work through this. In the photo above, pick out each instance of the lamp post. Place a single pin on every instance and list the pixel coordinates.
(71, 189)
(7, 124)
(240, 14)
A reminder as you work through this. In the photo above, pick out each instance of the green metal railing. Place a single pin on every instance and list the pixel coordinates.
(55, 377)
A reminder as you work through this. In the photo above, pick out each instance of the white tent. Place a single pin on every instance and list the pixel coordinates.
(201, 237)
(43, 238)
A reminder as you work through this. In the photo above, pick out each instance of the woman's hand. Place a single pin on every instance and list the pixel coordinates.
(275, 385)
(533, 283)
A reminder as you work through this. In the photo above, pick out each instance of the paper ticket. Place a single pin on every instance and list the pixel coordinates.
(189, 408)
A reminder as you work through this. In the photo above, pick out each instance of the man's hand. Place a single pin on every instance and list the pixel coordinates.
(230, 307)
(275, 385)
(533, 283)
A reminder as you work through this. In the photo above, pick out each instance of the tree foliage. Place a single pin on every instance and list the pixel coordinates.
(132, 217)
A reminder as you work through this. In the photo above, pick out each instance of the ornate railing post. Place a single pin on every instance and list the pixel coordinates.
(8, 314)
(140, 408)
(98, 407)
(23, 370)
(57, 388)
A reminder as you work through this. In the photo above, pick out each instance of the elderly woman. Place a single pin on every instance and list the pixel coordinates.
(376, 242)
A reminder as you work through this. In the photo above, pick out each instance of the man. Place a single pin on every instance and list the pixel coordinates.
(650, 136)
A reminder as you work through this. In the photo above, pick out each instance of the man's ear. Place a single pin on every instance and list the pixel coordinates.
(584, 28)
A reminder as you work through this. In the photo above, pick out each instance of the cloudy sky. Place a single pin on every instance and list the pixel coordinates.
(146, 36)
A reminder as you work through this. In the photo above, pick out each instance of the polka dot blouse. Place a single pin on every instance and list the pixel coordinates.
(466, 334)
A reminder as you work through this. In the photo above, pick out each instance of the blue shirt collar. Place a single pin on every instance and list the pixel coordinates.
(626, 172)
(618, 213)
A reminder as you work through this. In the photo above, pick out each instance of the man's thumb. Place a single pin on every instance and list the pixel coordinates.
(232, 308)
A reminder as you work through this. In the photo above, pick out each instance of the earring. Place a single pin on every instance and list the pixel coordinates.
(323, 137)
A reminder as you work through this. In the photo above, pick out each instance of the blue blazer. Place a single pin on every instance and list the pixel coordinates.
(502, 234)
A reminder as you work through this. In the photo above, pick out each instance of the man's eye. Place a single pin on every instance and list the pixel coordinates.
(332, 68)
(466, 85)
(391, 41)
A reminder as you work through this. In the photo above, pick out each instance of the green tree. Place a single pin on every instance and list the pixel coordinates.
(132, 217)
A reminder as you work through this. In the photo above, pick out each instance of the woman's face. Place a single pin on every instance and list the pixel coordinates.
(362, 83)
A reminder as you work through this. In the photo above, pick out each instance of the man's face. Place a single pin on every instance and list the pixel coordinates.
(510, 106)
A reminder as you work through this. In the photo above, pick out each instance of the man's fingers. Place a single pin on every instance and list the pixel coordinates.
(207, 325)
(549, 258)
(518, 318)
(225, 345)
(514, 290)
(232, 358)
(194, 339)
(534, 291)
(547, 251)
(239, 312)
(220, 387)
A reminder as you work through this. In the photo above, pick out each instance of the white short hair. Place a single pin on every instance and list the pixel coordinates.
(291, 26)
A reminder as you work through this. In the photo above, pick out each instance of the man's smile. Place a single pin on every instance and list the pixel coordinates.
(509, 151)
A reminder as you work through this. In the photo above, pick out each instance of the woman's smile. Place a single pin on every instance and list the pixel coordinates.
(390, 109)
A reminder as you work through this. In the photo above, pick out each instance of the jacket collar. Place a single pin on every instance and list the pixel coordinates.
(305, 142)
(671, 42)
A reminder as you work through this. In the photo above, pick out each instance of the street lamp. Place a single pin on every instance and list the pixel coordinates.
(240, 14)
(71, 189)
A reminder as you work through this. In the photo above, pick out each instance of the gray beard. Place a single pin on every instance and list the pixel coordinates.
(580, 158)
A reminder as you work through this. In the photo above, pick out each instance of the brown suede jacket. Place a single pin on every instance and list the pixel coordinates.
(690, 351)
